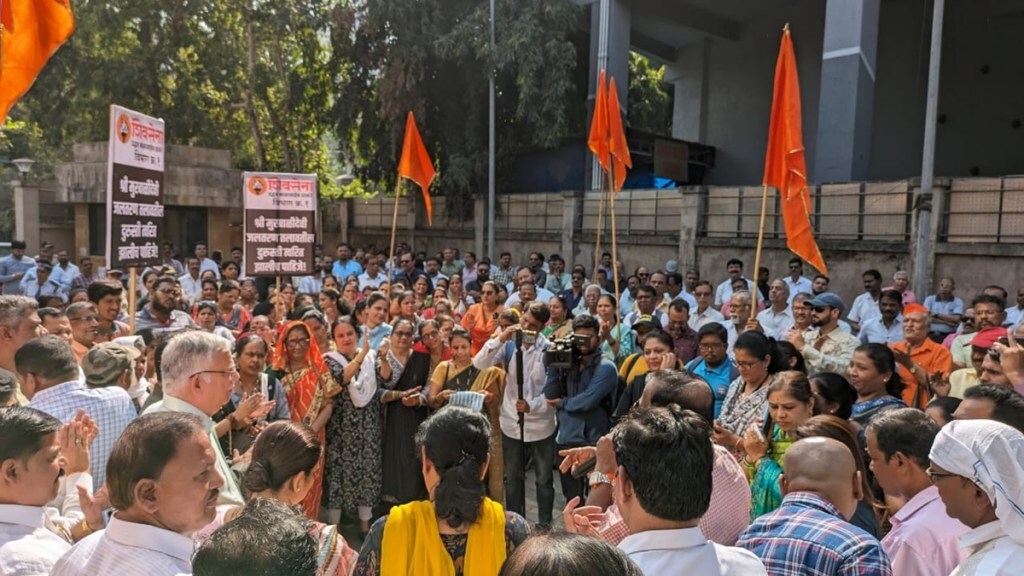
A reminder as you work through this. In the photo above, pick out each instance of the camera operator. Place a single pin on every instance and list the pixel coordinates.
(537, 434)
(581, 394)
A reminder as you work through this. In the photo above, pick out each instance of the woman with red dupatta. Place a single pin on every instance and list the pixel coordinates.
(301, 369)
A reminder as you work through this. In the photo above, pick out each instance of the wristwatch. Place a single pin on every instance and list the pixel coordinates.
(596, 478)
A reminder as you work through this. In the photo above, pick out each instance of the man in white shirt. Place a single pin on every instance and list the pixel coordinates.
(1015, 314)
(975, 464)
(198, 376)
(537, 436)
(704, 313)
(776, 320)
(525, 275)
(204, 262)
(372, 277)
(51, 380)
(657, 448)
(796, 281)
(865, 305)
(190, 283)
(887, 328)
(923, 539)
(740, 306)
(724, 291)
(164, 485)
(32, 474)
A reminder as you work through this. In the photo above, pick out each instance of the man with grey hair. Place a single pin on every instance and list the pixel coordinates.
(740, 311)
(198, 375)
(901, 284)
(19, 323)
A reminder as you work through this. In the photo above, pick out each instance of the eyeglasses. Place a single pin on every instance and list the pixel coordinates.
(488, 292)
(232, 372)
(297, 343)
(745, 365)
(403, 334)
(429, 335)
(169, 292)
(711, 346)
(643, 274)
(934, 476)
(819, 309)
(88, 318)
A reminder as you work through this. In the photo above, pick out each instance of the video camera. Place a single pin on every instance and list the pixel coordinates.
(564, 352)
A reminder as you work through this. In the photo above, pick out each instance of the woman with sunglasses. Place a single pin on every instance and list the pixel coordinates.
(309, 388)
(482, 319)
(757, 359)
(403, 375)
(353, 456)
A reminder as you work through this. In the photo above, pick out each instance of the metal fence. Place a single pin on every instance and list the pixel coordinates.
(987, 210)
(853, 211)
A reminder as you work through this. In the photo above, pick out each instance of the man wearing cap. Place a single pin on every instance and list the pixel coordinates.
(825, 347)
(109, 365)
(13, 268)
(964, 378)
(39, 282)
(921, 361)
(50, 379)
(975, 464)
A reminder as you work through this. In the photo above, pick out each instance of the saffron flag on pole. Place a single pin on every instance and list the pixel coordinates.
(30, 32)
(785, 167)
(599, 130)
(617, 146)
(415, 163)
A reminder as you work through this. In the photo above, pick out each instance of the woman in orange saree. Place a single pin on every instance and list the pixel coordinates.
(301, 369)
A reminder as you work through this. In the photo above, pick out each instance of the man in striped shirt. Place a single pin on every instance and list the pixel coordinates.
(809, 533)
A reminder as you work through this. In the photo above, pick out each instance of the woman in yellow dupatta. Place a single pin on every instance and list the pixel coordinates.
(459, 375)
(458, 530)
(308, 383)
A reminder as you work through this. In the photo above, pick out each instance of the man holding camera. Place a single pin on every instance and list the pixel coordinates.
(527, 421)
(581, 395)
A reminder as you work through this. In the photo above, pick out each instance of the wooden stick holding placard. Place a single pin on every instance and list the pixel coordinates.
(131, 299)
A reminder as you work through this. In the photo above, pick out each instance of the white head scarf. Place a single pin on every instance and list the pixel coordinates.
(991, 455)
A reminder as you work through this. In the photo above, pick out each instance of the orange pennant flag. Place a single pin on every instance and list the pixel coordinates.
(617, 145)
(785, 167)
(30, 32)
(599, 133)
(415, 163)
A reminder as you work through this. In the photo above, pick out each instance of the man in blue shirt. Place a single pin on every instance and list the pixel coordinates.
(945, 309)
(13, 268)
(344, 266)
(581, 396)
(713, 364)
(809, 533)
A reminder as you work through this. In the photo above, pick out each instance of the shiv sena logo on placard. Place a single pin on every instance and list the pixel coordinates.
(124, 128)
(257, 186)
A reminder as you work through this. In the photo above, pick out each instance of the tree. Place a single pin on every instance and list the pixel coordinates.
(650, 104)
(433, 57)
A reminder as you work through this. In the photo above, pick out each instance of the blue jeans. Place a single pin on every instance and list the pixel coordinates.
(543, 453)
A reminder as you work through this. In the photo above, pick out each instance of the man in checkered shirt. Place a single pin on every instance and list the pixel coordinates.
(51, 380)
(810, 533)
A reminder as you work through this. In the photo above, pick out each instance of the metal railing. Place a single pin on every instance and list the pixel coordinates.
(879, 211)
(989, 210)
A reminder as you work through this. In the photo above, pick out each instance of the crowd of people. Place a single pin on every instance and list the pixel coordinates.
(237, 425)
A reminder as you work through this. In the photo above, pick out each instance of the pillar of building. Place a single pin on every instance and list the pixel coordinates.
(688, 76)
(26, 215)
(344, 207)
(689, 223)
(613, 57)
(479, 225)
(847, 96)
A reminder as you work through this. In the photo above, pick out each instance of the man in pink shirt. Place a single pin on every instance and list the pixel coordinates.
(729, 511)
(924, 540)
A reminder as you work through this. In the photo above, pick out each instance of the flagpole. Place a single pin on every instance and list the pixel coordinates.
(394, 230)
(615, 255)
(600, 223)
(760, 230)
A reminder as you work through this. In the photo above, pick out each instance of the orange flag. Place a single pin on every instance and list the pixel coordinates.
(617, 145)
(415, 163)
(599, 132)
(785, 167)
(30, 32)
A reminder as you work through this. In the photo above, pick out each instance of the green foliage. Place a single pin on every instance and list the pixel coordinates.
(433, 57)
(650, 104)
